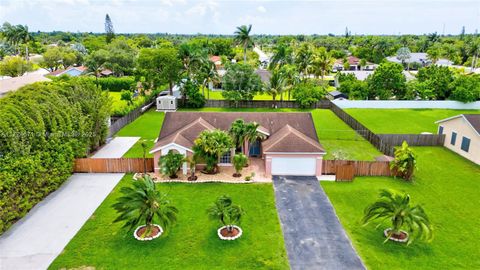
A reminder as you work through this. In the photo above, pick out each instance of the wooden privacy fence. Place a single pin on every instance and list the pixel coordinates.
(359, 168)
(322, 104)
(112, 165)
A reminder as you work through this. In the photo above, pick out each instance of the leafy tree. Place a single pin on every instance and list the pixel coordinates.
(466, 88)
(240, 82)
(53, 58)
(304, 57)
(433, 54)
(95, 62)
(14, 66)
(160, 65)
(121, 57)
(211, 145)
(243, 38)
(239, 161)
(438, 79)
(422, 90)
(275, 86)
(127, 96)
(322, 62)
(402, 215)
(387, 81)
(109, 29)
(191, 93)
(306, 94)
(144, 203)
(403, 54)
(405, 161)
(171, 163)
(226, 212)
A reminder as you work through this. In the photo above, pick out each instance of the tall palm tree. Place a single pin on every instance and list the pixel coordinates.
(291, 77)
(322, 62)
(243, 38)
(402, 215)
(143, 203)
(276, 85)
(23, 37)
(237, 132)
(282, 55)
(303, 58)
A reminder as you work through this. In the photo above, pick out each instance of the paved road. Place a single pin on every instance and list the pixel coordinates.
(37, 239)
(116, 148)
(314, 237)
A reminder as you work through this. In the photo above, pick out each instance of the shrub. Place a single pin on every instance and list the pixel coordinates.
(171, 163)
(307, 94)
(239, 161)
(405, 161)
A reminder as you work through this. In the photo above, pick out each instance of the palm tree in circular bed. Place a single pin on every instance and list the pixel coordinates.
(228, 214)
(408, 222)
(143, 203)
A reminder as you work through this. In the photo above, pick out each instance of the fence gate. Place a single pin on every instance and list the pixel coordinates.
(345, 172)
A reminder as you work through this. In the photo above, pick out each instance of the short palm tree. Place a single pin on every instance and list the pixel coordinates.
(243, 38)
(226, 212)
(403, 216)
(143, 203)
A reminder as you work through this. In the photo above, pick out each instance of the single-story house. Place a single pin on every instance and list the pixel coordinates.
(290, 146)
(462, 135)
(72, 71)
(332, 95)
(12, 84)
(354, 64)
(421, 59)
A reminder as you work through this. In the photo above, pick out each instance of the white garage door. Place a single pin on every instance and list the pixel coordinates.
(293, 166)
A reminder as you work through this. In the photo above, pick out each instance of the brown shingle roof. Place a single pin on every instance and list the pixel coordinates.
(474, 120)
(190, 124)
(288, 140)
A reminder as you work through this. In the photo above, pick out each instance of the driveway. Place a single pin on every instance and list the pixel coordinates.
(116, 148)
(314, 237)
(38, 238)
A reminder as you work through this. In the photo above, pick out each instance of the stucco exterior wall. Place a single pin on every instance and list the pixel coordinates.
(463, 129)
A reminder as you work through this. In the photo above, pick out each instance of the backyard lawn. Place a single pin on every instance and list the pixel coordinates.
(449, 195)
(120, 107)
(192, 243)
(147, 126)
(403, 121)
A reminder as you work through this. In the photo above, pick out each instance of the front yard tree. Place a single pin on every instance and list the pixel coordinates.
(387, 81)
(402, 215)
(405, 161)
(240, 82)
(243, 38)
(171, 163)
(226, 212)
(160, 65)
(237, 131)
(211, 145)
(143, 203)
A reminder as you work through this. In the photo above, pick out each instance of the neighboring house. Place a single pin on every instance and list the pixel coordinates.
(72, 71)
(462, 135)
(420, 59)
(354, 64)
(336, 95)
(290, 146)
(363, 75)
(12, 84)
(264, 74)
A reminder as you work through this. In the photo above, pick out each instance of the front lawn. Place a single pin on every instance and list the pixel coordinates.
(448, 188)
(147, 126)
(192, 243)
(403, 121)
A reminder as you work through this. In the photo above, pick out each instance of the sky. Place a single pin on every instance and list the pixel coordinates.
(266, 16)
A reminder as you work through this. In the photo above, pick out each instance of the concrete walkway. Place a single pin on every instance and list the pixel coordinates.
(116, 148)
(38, 238)
(313, 235)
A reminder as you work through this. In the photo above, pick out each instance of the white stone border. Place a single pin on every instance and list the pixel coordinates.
(136, 176)
(227, 237)
(385, 232)
(147, 238)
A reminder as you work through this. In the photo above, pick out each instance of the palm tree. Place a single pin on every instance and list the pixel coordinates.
(282, 55)
(23, 37)
(237, 132)
(276, 85)
(243, 38)
(251, 132)
(303, 58)
(321, 62)
(143, 203)
(402, 215)
(291, 77)
(226, 212)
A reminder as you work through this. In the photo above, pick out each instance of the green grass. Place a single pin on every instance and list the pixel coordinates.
(120, 107)
(447, 186)
(192, 243)
(403, 121)
(335, 135)
(147, 126)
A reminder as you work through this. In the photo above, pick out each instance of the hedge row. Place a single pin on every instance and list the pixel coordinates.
(43, 127)
(113, 84)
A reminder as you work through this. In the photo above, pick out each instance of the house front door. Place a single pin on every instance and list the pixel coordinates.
(254, 149)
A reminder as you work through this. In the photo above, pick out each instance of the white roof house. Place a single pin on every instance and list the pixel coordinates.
(420, 58)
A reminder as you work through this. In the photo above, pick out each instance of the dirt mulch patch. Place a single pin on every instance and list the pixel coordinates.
(225, 233)
(155, 230)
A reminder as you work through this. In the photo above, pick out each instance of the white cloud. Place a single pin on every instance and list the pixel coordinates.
(261, 9)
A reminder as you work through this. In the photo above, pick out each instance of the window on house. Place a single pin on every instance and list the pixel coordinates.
(465, 144)
(454, 138)
(225, 158)
(440, 130)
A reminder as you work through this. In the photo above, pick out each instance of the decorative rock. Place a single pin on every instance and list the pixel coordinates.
(227, 237)
(147, 238)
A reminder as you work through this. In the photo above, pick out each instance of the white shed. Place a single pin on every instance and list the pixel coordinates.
(166, 103)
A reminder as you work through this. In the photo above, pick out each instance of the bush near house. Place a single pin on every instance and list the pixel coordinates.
(43, 127)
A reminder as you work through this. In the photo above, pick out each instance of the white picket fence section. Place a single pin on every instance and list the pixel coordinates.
(407, 104)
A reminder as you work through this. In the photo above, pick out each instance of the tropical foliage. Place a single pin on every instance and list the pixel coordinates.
(240, 82)
(397, 208)
(307, 94)
(211, 145)
(171, 163)
(405, 161)
(144, 204)
(239, 161)
(226, 212)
